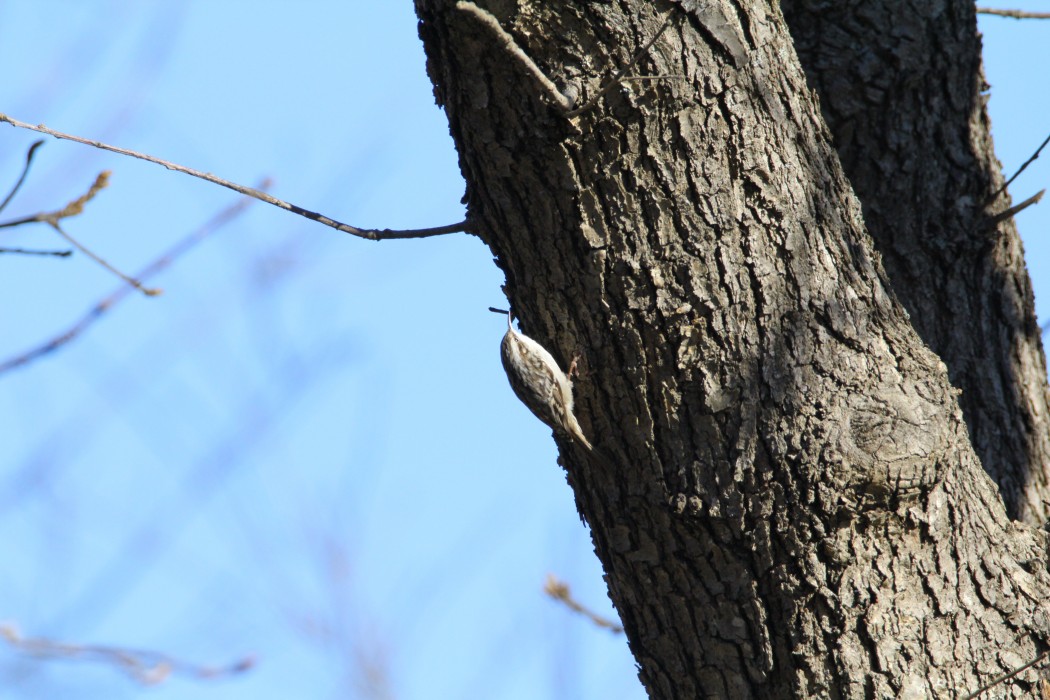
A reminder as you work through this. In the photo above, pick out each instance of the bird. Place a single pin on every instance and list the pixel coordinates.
(540, 383)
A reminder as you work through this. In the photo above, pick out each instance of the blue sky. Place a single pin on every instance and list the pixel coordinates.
(305, 449)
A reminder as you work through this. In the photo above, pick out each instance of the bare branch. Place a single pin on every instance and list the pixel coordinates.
(1016, 14)
(164, 261)
(25, 171)
(370, 234)
(26, 251)
(147, 667)
(559, 590)
(1019, 170)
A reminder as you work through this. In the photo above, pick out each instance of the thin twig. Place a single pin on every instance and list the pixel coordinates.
(161, 263)
(558, 590)
(511, 46)
(25, 171)
(26, 251)
(1012, 211)
(148, 291)
(1016, 14)
(370, 234)
(985, 688)
(147, 667)
(73, 209)
(619, 75)
(1019, 171)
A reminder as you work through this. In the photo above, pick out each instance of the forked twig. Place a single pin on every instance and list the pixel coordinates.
(370, 234)
(161, 263)
(74, 208)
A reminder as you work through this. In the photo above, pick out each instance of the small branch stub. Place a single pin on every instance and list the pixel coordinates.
(1014, 210)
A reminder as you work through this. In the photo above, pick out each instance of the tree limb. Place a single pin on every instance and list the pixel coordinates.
(370, 234)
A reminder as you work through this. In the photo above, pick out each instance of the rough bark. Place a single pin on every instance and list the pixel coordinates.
(796, 509)
(902, 90)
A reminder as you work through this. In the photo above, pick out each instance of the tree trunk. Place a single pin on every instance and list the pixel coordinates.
(906, 106)
(794, 507)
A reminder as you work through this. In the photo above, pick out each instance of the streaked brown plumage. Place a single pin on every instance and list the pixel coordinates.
(540, 384)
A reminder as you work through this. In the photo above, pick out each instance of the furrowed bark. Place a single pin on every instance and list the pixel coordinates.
(901, 87)
(796, 510)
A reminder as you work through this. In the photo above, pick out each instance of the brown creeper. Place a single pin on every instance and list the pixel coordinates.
(540, 384)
